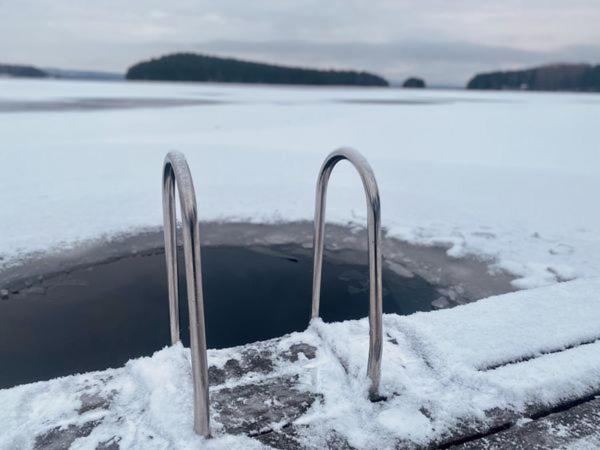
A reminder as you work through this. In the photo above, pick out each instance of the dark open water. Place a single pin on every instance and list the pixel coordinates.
(100, 317)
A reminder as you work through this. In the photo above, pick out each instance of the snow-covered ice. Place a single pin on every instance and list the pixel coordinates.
(510, 177)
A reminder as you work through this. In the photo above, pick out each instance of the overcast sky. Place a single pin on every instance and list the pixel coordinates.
(444, 41)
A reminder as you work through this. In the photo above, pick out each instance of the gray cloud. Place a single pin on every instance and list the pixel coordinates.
(446, 42)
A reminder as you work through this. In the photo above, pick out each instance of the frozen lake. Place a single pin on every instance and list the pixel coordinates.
(509, 179)
(512, 178)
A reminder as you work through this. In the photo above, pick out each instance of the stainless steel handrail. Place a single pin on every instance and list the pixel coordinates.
(177, 172)
(374, 245)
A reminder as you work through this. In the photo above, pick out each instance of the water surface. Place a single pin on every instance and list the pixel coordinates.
(101, 316)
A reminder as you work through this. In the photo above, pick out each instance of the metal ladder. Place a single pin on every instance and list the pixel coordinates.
(374, 244)
(176, 173)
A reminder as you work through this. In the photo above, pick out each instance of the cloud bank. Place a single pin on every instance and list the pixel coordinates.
(445, 42)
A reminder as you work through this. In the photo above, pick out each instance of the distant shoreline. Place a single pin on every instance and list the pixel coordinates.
(195, 67)
(551, 78)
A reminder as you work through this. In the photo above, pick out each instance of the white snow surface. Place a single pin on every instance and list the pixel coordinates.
(439, 371)
(512, 178)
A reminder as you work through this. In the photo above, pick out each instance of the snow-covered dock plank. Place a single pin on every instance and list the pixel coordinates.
(448, 376)
(147, 404)
(575, 428)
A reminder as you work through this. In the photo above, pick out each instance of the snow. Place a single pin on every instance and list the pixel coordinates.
(519, 325)
(153, 408)
(512, 178)
(585, 444)
(436, 376)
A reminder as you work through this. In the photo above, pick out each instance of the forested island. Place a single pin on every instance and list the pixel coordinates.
(557, 77)
(414, 82)
(11, 70)
(195, 67)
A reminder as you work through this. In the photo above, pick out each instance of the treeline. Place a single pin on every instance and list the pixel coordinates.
(194, 67)
(558, 77)
(10, 70)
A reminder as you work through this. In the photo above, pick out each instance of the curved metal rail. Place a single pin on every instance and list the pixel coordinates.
(177, 172)
(374, 244)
